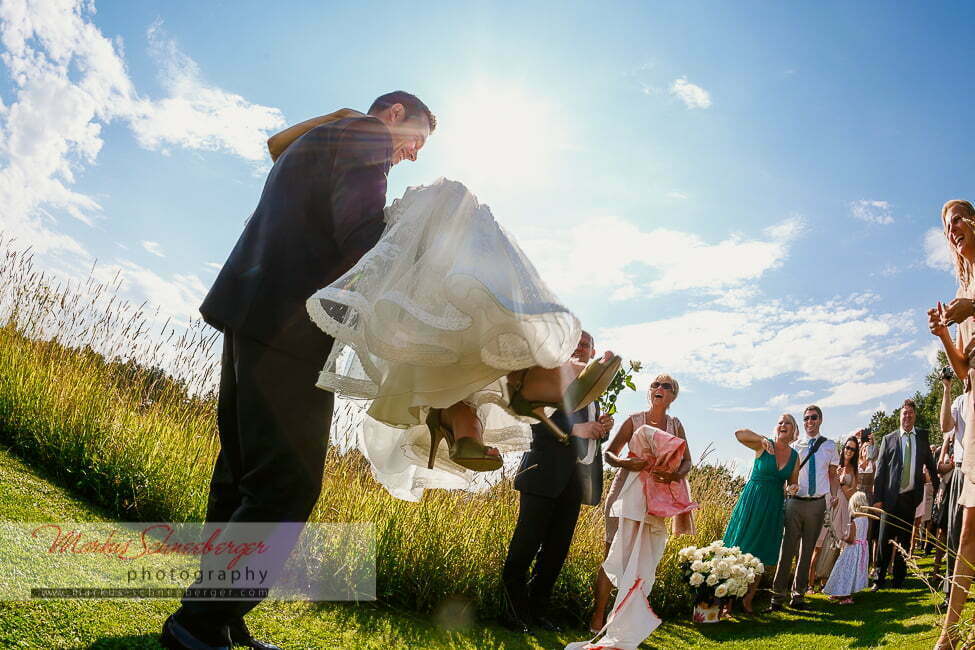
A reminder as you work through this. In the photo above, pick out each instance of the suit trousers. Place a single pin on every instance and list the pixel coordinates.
(543, 534)
(895, 526)
(273, 425)
(803, 524)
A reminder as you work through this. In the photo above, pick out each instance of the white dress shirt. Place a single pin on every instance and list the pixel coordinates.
(957, 408)
(825, 457)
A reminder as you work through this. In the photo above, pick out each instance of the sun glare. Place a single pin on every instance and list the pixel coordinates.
(501, 135)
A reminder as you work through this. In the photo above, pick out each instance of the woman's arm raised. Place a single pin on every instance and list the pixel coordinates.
(754, 441)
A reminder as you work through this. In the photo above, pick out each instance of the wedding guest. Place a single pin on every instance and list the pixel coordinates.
(939, 508)
(898, 490)
(849, 574)
(553, 480)
(922, 514)
(839, 515)
(952, 455)
(650, 492)
(756, 522)
(867, 465)
(662, 393)
(958, 221)
(805, 510)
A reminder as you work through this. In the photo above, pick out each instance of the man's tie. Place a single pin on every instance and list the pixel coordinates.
(907, 463)
(812, 470)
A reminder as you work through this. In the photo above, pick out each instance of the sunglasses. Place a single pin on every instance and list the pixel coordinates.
(813, 417)
(665, 385)
(851, 449)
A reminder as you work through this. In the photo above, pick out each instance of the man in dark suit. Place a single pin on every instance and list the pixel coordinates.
(320, 211)
(554, 480)
(899, 488)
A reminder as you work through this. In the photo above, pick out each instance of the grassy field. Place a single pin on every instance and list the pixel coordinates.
(892, 619)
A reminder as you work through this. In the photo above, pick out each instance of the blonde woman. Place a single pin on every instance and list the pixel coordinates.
(756, 523)
(958, 221)
(663, 391)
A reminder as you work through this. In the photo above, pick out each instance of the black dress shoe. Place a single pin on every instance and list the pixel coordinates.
(772, 608)
(241, 637)
(798, 603)
(176, 637)
(515, 624)
(546, 624)
(876, 586)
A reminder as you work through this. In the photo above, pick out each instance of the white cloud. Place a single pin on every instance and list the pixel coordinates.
(214, 265)
(196, 115)
(679, 260)
(178, 295)
(936, 253)
(857, 392)
(153, 247)
(674, 194)
(69, 82)
(929, 352)
(868, 412)
(838, 342)
(877, 212)
(693, 96)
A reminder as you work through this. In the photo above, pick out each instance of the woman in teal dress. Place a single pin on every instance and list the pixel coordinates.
(757, 522)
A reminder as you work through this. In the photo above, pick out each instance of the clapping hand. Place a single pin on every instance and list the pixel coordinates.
(956, 311)
(936, 321)
(607, 422)
(792, 489)
(633, 464)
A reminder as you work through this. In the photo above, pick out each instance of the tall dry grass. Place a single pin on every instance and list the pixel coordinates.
(121, 409)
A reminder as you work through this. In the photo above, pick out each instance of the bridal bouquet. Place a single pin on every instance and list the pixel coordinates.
(716, 571)
(623, 379)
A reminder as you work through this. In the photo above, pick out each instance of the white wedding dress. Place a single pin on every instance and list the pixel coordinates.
(438, 312)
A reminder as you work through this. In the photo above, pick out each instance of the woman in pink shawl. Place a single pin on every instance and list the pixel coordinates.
(649, 487)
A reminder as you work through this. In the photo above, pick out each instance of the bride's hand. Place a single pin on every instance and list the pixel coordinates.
(958, 310)
(633, 464)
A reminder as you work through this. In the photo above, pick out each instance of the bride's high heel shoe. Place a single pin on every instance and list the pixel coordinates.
(466, 452)
(583, 391)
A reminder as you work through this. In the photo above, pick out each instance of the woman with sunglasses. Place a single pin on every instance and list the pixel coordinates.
(839, 520)
(958, 222)
(663, 391)
(756, 522)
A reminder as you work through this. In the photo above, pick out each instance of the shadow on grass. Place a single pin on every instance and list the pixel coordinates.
(133, 642)
(865, 624)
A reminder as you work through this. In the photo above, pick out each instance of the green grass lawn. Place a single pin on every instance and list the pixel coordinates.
(893, 619)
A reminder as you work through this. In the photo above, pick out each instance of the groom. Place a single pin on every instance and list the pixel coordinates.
(554, 481)
(320, 211)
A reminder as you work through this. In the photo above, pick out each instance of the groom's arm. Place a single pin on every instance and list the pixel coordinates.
(358, 189)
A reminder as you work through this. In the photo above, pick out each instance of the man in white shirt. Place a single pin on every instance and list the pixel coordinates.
(952, 424)
(805, 509)
(898, 489)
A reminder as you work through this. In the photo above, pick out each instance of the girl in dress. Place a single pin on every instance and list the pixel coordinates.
(446, 327)
(756, 523)
(850, 571)
(839, 519)
(663, 391)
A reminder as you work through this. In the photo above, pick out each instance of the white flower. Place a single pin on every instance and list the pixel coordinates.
(759, 568)
(698, 566)
(742, 590)
(697, 555)
(751, 576)
(718, 542)
(721, 591)
(712, 580)
(696, 580)
(731, 584)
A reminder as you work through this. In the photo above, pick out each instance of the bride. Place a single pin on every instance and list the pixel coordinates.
(446, 327)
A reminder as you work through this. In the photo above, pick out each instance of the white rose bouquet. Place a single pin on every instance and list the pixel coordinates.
(716, 571)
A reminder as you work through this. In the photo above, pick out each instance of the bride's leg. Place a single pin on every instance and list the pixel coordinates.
(462, 420)
(549, 384)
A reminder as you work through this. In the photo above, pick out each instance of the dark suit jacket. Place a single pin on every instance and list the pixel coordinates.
(557, 464)
(887, 480)
(320, 211)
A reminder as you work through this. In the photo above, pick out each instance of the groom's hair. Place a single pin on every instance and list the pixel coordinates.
(411, 103)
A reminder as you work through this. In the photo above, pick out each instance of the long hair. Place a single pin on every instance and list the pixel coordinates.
(858, 503)
(963, 269)
(853, 462)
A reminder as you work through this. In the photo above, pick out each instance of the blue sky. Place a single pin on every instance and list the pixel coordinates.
(741, 194)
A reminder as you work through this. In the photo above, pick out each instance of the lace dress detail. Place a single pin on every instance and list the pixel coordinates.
(438, 312)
